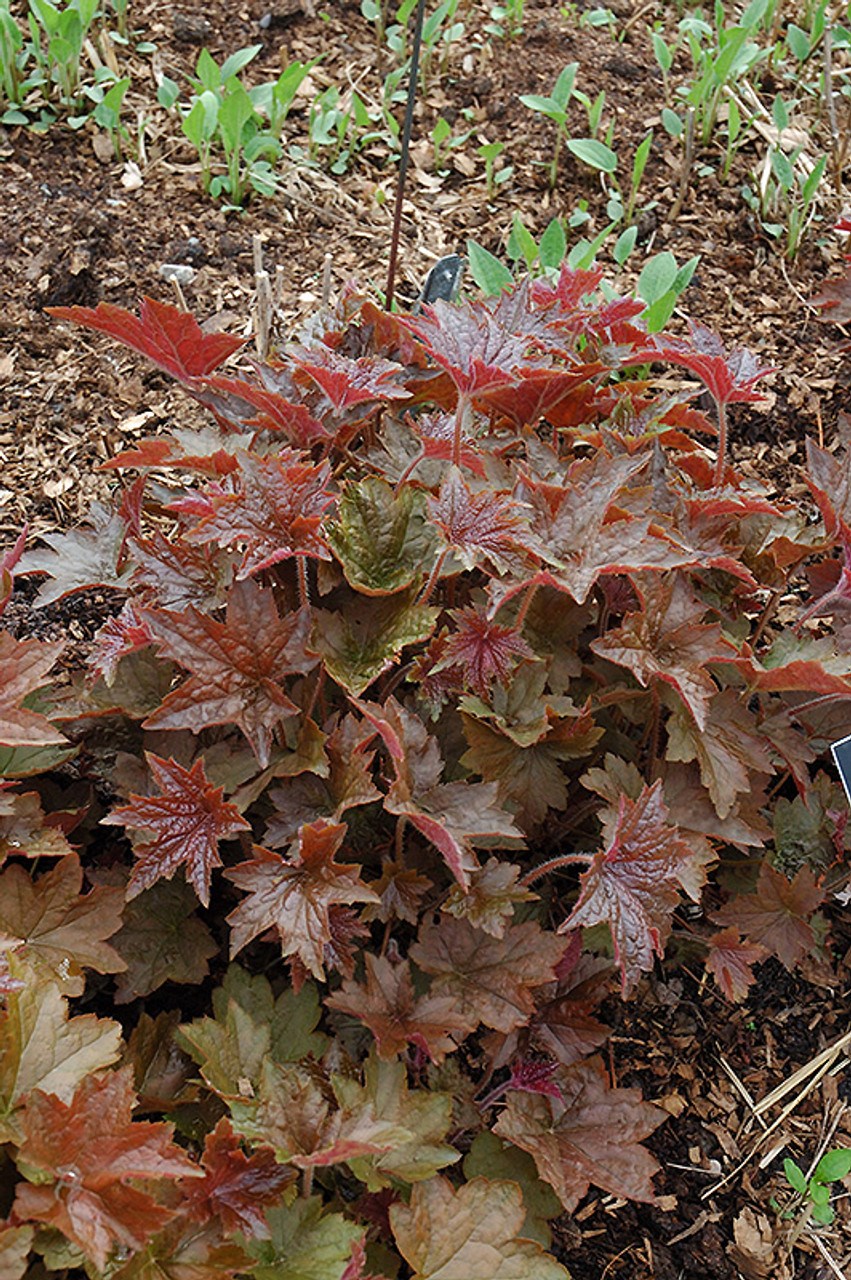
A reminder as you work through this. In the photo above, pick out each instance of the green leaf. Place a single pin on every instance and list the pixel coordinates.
(490, 1157)
(42, 1048)
(162, 940)
(553, 246)
(304, 1243)
(25, 762)
(292, 1017)
(249, 1026)
(491, 275)
(797, 42)
(424, 1116)
(624, 245)
(795, 1177)
(359, 643)
(563, 88)
(521, 242)
(671, 122)
(833, 1166)
(657, 277)
(594, 153)
(383, 540)
(234, 114)
(469, 1233)
(168, 91)
(238, 61)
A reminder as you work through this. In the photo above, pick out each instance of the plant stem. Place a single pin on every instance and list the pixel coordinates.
(303, 584)
(461, 410)
(554, 864)
(524, 608)
(721, 460)
(432, 579)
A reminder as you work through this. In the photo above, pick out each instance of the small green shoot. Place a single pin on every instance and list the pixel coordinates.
(815, 1189)
(555, 108)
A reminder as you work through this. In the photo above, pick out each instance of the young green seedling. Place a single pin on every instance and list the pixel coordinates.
(555, 108)
(815, 1189)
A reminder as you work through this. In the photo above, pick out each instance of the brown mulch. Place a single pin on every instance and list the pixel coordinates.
(77, 229)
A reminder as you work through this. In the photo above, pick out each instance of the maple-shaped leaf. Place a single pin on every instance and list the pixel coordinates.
(484, 527)
(382, 539)
(15, 1245)
(359, 642)
(588, 533)
(564, 1025)
(185, 1251)
(469, 1233)
(169, 337)
(41, 1048)
(634, 884)
(187, 819)
(483, 651)
(797, 661)
(731, 960)
(86, 1154)
(692, 810)
(174, 575)
(470, 343)
(777, 914)
(293, 896)
(57, 925)
(342, 781)
(273, 513)
(591, 1137)
(400, 891)
(208, 450)
(304, 1243)
(489, 902)
(453, 816)
(235, 1188)
(490, 1157)
(241, 403)
(348, 383)
(24, 829)
(90, 556)
(340, 953)
(396, 1016)
(291, 1113)
(415, 1123)
(24, 665)
(491, 979)
(829, 480)
(521, 735)
(728, 376)
(668, 641)
(120, 635)
(162, 940)
(539, 393)
(252, 1027)
(729, 748)
(236, 666)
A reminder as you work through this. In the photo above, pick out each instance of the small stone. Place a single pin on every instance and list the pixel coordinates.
(178, 271)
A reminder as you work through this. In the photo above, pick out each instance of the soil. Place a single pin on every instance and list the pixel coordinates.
(78, 227)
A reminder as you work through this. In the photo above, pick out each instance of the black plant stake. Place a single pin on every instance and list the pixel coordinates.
(403, 158)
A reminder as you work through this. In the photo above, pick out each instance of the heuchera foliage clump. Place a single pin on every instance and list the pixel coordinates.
(444, 694)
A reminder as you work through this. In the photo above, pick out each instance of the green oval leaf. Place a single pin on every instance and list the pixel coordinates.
(594, 153)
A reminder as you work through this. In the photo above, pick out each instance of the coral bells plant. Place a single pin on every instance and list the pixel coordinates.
(441, 700)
